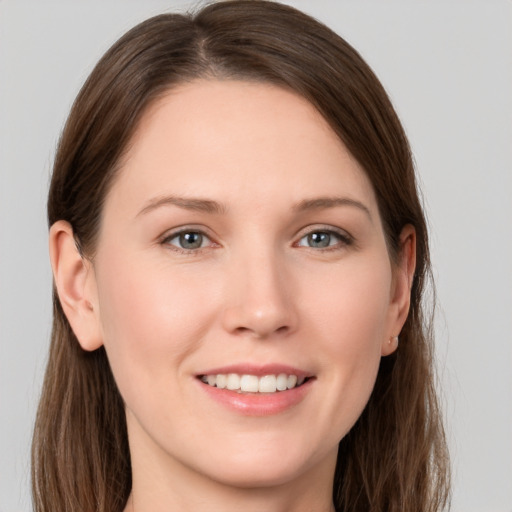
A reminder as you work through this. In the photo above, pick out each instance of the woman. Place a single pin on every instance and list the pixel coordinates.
(239, 257)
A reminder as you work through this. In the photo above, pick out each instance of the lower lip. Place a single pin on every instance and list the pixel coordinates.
(258, 404)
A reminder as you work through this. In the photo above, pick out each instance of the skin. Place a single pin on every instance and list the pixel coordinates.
(256, 291)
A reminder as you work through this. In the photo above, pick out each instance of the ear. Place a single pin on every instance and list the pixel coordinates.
(76, 286)
(401, 288)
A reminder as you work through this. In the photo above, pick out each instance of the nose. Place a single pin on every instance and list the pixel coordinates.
(260, 300)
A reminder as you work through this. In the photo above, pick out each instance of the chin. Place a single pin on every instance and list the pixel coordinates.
(258, 476)
(267, 468)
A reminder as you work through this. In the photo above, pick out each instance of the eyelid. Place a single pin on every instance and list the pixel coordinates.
(345, 237)
(173, 233)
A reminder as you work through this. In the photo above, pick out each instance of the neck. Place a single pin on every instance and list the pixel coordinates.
(174, 487)
(249, 500)
(237, 499)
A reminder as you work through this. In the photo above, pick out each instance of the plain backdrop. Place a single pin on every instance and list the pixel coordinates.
(448, 68)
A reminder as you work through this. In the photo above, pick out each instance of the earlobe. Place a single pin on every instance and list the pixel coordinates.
(76, 286)
(390, 346)
(402, 286)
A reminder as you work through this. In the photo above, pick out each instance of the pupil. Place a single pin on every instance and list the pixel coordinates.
(319, 239)
(191, 240)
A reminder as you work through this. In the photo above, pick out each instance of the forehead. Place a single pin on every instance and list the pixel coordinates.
(222, 138)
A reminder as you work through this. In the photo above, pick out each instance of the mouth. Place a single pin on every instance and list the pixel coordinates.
(254, 390)
(247, 383)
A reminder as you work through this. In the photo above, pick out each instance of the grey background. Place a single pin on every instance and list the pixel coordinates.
(448, 68)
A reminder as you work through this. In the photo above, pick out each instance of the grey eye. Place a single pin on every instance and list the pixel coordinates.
(319, 239)
(191, 240)
(325, 239)
(188, 240)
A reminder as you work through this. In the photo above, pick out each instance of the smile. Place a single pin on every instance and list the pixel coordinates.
(253, 383)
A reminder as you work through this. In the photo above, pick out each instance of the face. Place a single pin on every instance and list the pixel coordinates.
(242, 286)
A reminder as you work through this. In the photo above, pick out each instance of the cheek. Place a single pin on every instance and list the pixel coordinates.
(349, 322)
(150, 319)
(353, 307)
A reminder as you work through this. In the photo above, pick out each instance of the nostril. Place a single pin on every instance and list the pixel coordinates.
(261, 332)
(260, 318)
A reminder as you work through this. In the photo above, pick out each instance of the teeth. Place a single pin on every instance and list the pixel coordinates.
(249, 383)
(220, 381)
(268, 384)
(252, 383)
(233, 381)
(281, 382)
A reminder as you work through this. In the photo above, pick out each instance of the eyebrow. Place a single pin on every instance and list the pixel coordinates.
(320, 203)
(188, 203)
(213, 207)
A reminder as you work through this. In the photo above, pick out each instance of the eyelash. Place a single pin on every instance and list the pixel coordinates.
(166, 240)
(343, 240)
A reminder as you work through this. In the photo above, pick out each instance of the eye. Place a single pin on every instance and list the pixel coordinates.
(323, 239)
(188, 240)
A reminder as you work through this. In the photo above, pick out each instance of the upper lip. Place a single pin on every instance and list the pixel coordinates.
(258, 370)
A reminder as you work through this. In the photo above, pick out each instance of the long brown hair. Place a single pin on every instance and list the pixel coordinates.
(394, 459)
